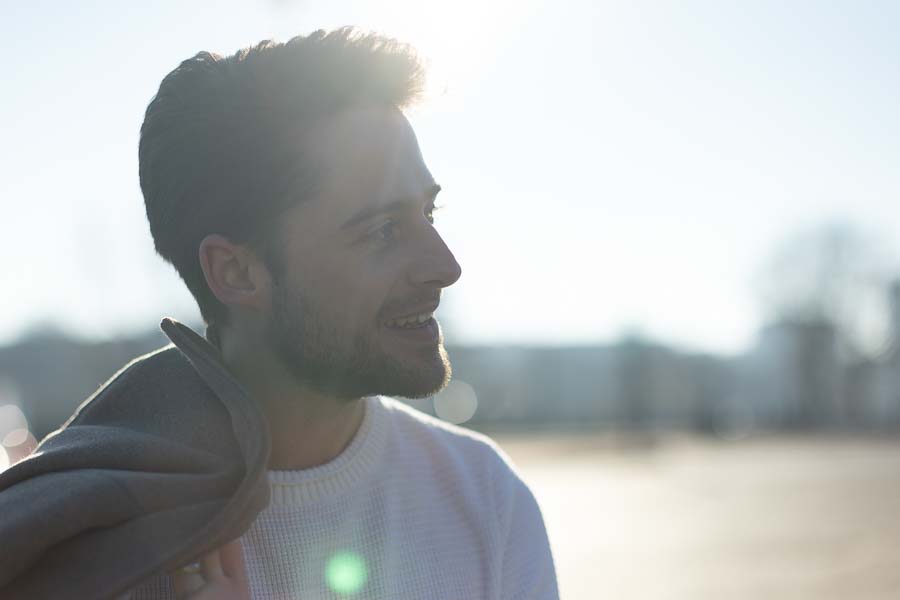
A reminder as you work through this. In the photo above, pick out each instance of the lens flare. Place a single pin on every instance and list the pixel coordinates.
(346, 573)
(457, 403)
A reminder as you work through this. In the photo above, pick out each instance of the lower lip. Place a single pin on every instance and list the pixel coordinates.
(426, 333)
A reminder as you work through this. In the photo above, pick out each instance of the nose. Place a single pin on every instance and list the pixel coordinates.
(434, 264)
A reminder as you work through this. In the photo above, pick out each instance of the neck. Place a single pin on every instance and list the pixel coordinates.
(308, 428)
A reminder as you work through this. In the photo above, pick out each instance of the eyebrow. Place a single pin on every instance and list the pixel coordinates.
(393, 206)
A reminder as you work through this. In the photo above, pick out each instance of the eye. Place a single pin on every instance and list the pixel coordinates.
(385, 233)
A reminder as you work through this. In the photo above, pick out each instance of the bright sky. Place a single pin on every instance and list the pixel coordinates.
(607, 166)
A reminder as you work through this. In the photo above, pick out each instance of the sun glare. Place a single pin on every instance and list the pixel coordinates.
(455, 38)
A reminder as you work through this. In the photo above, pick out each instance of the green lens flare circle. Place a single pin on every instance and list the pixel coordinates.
(346, 573)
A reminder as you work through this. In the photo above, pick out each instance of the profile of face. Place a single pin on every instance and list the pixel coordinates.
(364, 267)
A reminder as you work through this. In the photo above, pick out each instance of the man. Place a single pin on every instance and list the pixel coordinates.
(287, 188)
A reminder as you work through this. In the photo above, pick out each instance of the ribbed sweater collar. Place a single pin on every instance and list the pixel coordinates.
(352, 466)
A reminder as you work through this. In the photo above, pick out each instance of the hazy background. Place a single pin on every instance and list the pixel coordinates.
(678, 229)
(606, 165)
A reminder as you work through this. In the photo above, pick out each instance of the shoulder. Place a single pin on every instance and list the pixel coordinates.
(159, 394)
(425, 428)
(471, 468)
(452, 447)
(157, 375)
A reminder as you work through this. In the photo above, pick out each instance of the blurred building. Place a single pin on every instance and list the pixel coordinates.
(883, 393)
(794, 377)
(633, 385)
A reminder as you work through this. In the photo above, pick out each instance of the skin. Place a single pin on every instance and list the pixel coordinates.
(310, 343)
(222, 576)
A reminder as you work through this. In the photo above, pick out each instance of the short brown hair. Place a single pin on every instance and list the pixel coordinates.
(219, 147)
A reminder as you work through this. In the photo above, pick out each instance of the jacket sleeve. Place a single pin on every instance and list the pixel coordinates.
(528, 572)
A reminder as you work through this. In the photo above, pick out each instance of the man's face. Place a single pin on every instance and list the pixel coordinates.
(364, 266)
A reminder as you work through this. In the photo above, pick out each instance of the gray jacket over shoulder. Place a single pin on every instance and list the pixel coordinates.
(164, 463)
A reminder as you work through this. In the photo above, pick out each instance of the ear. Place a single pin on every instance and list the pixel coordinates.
(234, 274)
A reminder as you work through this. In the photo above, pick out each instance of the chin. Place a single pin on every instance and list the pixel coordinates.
(418, 381)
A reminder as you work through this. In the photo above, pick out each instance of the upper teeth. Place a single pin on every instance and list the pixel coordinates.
(410, 320)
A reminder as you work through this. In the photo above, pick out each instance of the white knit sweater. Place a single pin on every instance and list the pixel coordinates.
(413, 509)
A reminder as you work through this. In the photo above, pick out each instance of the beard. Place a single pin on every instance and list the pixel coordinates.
(344, 364)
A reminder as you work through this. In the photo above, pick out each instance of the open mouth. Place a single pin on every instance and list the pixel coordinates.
(413, 321)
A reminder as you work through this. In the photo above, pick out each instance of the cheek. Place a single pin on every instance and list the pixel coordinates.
(353, 298)
(348, 286)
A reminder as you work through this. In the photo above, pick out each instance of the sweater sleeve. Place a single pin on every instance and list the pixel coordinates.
(157, 588)
(528, 571)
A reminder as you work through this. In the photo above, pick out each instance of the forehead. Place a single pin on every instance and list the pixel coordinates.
(366, 157)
